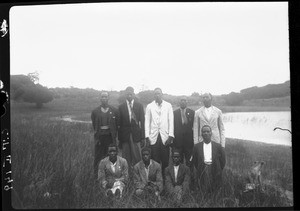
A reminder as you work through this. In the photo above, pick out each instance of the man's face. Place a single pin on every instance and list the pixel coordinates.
(112, 153)
(206, 134)
(183, 103)
(146, 156)
(129, 95)
(206, 98)
(104, 98)
(157, 95)
(176, 158)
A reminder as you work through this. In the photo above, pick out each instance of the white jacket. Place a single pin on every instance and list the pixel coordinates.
(215, 122)
(159, 119)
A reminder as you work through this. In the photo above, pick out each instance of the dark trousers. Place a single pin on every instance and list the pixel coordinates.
(185, 143)
(207, 182)
(160, 153)
(101, 150)
(131, 151)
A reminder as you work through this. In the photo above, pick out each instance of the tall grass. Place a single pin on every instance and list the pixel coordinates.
(52, 167)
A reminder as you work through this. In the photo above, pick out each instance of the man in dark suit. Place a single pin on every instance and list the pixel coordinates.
(104, 120)
(131, 128)
(183, 130)
(209, 160)
(177, 178)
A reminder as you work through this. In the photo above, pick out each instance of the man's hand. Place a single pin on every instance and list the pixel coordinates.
(169, 141)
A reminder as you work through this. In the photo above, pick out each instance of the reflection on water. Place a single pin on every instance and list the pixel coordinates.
(259, 126)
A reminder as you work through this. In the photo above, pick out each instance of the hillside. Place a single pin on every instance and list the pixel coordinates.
(271, 95)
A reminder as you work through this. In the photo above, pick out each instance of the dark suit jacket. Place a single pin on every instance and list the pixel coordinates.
(126, 127)
(113, 122)
(183, 178)
(183, 133)
(218, 160)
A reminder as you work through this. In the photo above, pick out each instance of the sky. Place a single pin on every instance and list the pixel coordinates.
(216, 47)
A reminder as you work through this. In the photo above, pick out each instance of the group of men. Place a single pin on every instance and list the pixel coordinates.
(196, 141)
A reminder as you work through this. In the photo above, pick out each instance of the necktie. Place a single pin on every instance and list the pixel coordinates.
(133, 117)
(183, 116)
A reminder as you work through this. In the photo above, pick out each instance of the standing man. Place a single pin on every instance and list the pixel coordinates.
(159, 128)
(209, 160)
(177, 178)
(212, 116)
(183, 130)
(104, 120)
(147, 176)
(131, 129)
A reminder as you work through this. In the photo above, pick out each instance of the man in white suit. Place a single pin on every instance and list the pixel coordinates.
(159, 128)
(212, 116)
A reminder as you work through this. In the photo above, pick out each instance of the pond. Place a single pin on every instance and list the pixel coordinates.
(259, 126)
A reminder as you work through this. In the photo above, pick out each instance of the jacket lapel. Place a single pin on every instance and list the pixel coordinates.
(180, 171)
(213, 151)
(187, 114)
(178, 113)
(126, 111)
(201, 152)
(143, 172)
(204, 115)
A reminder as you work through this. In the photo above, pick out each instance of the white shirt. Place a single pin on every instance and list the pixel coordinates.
(129, 109)
(176, 172)
(207, 152)
(159, 119)
(208, 112)
(147, 169)
(182, 111)
(113, 166)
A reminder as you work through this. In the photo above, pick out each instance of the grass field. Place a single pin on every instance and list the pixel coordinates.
(52, 165)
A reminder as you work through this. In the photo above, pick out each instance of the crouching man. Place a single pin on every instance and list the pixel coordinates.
(177, 178)
(147, 176)
(113, 173)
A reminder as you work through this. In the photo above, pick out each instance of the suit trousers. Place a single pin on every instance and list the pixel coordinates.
(205, 180)
(101, 150)
(131, 151)
(160, 153)
(185, 144)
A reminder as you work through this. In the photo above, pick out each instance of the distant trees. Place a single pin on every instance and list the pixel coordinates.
(24, 88)
(146, 96)
(269, 91)
(233, 99)
(28, 89)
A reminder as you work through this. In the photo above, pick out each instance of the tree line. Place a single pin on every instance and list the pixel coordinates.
(27, 88)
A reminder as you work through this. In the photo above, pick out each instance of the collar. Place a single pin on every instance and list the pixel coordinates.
(209, 108)
(209, 144)
(162, 102)
(184, 110)
(113, 164)
(149, 164)
(132, 101)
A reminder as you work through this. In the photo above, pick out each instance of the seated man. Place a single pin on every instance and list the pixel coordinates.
(113, 172)
(177, 178)
(147, 175)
